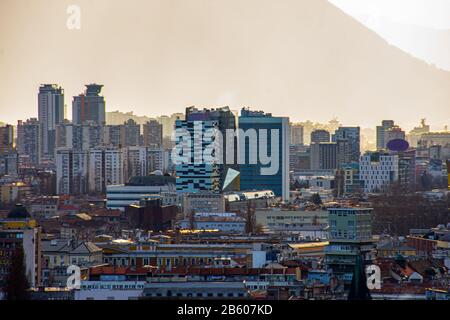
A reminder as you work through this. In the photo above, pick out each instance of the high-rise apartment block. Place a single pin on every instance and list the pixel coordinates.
(89, 106)
(72, 168)
(153, 134)
(323, 155)
(352, 137)
(124, 135)
(79, 136)
(137, 161)
(51, 114)
(107, 166)
(6, 139)
(386, 132)
(28, 140)
(297, 132)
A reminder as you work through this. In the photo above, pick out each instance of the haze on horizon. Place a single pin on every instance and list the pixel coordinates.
(159, 56)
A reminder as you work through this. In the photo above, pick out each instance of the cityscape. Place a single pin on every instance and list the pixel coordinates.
(224, 201)
(107, 197)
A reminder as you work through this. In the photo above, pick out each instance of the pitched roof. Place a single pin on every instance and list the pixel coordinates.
(66, 246)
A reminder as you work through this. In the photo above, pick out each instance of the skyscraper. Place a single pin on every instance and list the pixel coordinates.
(137, 161)
(89, 106)
(265, 125)
(123, 135)
(297, 132)
(28, 140)
(6, 139)
(83, 171)
(381, 133)
(132, 133)
(153, 134)
(79, 136)
(51, 113)
(72, 171)
(407, 170)
(9, 159)
(353, 136)
(157, 159)
(107, 166)
(194, 175)
(323, 155)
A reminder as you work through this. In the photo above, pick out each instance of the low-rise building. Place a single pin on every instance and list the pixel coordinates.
(203, 202)
(44, 207)
(151, 214)
(224, 222)
(311, 224)
(121, 196)
(59, 254)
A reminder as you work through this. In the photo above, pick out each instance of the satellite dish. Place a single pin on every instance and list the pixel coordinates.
(398, 145)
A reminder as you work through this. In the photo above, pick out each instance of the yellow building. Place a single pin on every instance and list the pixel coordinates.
(12, 192)
(290, 220)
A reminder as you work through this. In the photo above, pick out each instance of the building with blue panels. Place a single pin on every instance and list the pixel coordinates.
(262, 174)
(195, 173)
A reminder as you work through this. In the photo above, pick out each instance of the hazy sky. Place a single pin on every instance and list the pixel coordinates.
(160, 56)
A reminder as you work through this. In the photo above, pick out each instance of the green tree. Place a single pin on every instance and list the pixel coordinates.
(17, 285)
(359, 289)
(315, 198)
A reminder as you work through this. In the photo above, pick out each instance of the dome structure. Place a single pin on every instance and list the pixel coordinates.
(19, 212)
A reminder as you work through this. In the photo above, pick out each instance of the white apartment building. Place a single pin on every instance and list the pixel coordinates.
(378, 171)
(157, 160)
(137, 161)
(71, 171)
(81, 172)
(107, 167)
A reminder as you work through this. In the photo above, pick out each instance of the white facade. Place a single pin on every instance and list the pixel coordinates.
(137, 161)
(110, 290)
(50, 113)
(121, 196)
(106, 167)
(71, 171)
(79, 172)
(222, 224)
(378, 171)
(157, 159)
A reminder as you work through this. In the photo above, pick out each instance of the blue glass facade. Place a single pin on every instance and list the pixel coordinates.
(251, 177)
